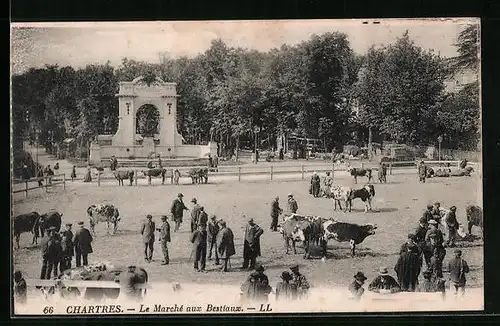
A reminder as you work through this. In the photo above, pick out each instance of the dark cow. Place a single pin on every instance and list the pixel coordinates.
(50, 219)
(198, 175)
(357, 172)
(156, 172)
(103, 213)
(474, 217)
(462, 172)
(124, 175)
(343, 232)
(366, 194)
(27, 223)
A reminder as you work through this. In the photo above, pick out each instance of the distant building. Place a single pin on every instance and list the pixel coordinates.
(456, 82)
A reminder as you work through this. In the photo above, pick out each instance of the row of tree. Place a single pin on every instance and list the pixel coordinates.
(226, 94)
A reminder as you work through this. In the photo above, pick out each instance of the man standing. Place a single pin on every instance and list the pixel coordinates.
(68, 250)
(164, 238)
(213, 229)
(251, 246)
(286, 290)
(194, 214)
(300, 281)
(452, 225)
(225, 244)
(408, 268)
(203, 217)
(177, 211)
(199, 241)
(422, 171)
(83, 245)
(458, 268)
(51, 253)
(148, 237)
(315, 184)
(436, 212)
(292, 205)
(328, 180)
(275, 212)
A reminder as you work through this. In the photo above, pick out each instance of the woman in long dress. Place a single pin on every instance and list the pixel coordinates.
(88, 176)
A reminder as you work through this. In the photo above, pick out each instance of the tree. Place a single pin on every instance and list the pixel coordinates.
(468, 49)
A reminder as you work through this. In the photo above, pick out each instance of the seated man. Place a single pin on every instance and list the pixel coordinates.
(384, 282)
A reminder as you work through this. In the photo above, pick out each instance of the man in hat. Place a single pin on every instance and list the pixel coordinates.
(436, 212)
(148, 237)
(177, 211)
(284, 289)
(420, 233)
(203, 217)
(433, 230)
(356, 287)
(436, 262)
(411, 242)
(52, 253)
(83, 245)
(458, 267)
(20, 288)
(113, 164)
(422, 171)
(225, 244)
(315, 184)
(292, 205)
(164, 238)
(199, 241)
(300, 281)
(452, 225)
(427, 215)
(251, 246)
(256, 287)
(194, 214)
(275, 213)
(68, 250)
(384, 281)
(128, 283)
(212, 230)
(408, 268)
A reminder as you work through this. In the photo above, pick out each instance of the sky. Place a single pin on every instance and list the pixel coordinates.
(79, 44)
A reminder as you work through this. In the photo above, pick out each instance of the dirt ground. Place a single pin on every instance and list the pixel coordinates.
(398, 206)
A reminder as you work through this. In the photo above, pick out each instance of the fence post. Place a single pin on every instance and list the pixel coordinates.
(271, 173)
(302, 171)
(98, 178)
(172, 176)
(26, 188)
(136, 176)
(239, 173)
(64, 181)
(390, 168)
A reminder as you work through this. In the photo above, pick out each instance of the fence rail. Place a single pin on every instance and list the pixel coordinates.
(50, 181)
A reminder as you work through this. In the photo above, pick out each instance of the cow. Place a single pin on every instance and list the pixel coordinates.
(462, 172)
(50, 219)
(343, 232)
(366, 194)
(442, 173)
(26, 223)
(296, 228)
(339, 194)
(357, 172)
(474, 215)
(124, 175)
(156, 172)
(430, 172)
(198, 175)
(103, 213)
(97, 272)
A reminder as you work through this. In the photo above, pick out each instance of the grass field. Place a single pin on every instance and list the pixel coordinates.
(398, 206)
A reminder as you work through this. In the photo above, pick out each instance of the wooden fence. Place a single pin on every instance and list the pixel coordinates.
(49, 181)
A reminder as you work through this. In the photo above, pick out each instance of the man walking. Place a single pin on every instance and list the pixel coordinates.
(83, 245)
(194, 214)
(164, 239)
(199, 241)
(251, 246)
(458, 267)
(275, 212)
(148, 237)
(213, 229)
(225, 244)
(177, 211)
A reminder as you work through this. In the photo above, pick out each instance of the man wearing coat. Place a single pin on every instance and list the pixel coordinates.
(292, 205)
(251, 246)
(51, 253)
(177, 211)
(315, 184)
(199, 241)
(194, 214)
(408, 268)
(422, 171)
(213, 229)
(275, 213)
(203, 217)
(164, 239)
(452, 224)
(148, 237)
(225, 244)
(68, 250)
(83, 245)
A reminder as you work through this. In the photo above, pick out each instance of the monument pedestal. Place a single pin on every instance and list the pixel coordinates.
(95, 154)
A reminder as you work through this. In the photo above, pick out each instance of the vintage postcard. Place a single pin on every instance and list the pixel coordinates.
(246, 167)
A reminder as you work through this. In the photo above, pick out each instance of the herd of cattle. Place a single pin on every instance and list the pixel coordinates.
(197, 175)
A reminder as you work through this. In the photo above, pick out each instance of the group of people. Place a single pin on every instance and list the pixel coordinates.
(59, 248)
(425, 244)
(276, 210)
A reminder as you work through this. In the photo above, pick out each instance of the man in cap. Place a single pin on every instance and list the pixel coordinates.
(199, 241)
(251, 245)
(458, 267)
(148, 237)
(286, 290)
(384, 282)
(68, 250)
(164, 238)
(256, 287)
(82, 242)
(408, 268)
(315, 184)
(212, 230)
(225, 244)
(275, 213)
(422, 171)
(203, 217)
(194, 214)
(452, 225)
(300, 281)
(177, 211)
(356, 287)
(292, 205)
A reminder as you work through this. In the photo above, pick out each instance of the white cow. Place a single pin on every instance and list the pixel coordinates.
(103, 213)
